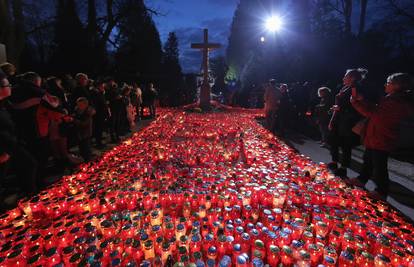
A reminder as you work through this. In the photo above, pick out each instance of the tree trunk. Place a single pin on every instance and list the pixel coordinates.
(111, 23)
(362, 16)
(92, 24)
(347, 4)
(19, 34)
(4, 20)
(12, 31)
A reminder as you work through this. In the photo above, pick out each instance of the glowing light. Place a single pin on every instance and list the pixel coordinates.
(262, 39)
(274, 24)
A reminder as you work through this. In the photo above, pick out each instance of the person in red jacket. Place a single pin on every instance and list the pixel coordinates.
(382, 130)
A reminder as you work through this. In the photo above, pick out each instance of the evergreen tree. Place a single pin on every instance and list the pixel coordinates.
(240, 34)
(96, 56)
(172, 72)
(139, 55)
(70, 51)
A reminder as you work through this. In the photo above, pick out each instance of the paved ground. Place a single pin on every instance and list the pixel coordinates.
(401, 173)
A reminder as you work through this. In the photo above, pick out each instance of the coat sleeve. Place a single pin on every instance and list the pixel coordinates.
(364, 108)
(8, 142)
(55, 115)
(370, 110)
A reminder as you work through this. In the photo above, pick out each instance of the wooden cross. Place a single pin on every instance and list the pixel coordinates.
(205, 88)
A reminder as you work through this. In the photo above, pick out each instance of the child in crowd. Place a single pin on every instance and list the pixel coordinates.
(322, 111)
(83, 121)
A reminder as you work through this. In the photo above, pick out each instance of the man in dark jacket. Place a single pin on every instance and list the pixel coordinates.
(344, 118)
(25, 100)
(11, 152)
(102, 114)
(382, 129)
(151, 95)
(322, 113)
(115, 106)
(81, 90)
(285, 108)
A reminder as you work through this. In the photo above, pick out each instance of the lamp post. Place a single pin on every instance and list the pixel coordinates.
(274, 24)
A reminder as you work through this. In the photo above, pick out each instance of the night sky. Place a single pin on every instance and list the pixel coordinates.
(187, 18)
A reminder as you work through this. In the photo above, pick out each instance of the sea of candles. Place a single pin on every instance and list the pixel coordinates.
(212, 189)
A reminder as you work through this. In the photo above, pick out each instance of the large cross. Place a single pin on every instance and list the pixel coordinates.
(205, 88)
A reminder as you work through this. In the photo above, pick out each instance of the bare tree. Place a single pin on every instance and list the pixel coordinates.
(114, 13)
(362, 16)
(344, 8)
(404, 9)
(347, 7)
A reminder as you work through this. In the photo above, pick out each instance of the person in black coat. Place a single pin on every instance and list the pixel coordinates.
(343, 119)
(285, 110)
(115, 100)
(149, 97)
(11, 152)
(25, 100)
(81, 90)
(102, 114)
(322, 113)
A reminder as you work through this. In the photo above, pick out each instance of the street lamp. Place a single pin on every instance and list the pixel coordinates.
(262, 39)
(274, 24)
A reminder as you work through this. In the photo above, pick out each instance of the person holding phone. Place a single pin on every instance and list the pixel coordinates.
(382, 130)
(343, 119)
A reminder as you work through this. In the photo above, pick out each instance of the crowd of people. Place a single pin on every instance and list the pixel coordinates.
(42, 118)
(351, 118)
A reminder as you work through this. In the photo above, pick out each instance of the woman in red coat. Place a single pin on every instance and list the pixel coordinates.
(382, 129)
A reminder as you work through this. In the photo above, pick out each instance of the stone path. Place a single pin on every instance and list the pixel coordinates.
(401, 173)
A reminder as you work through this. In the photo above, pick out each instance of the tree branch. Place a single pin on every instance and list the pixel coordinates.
(400, 10)
(113, 43)
(44, 25)
(336, 7)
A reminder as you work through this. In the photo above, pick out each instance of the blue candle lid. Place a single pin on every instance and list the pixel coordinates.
(211, 263)
(195, 238)
(256, 262)
(245, 236)
(212, 249)
(209, 237)
(241, 260)
(200, 263)
(225, 261)
(239, 229)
